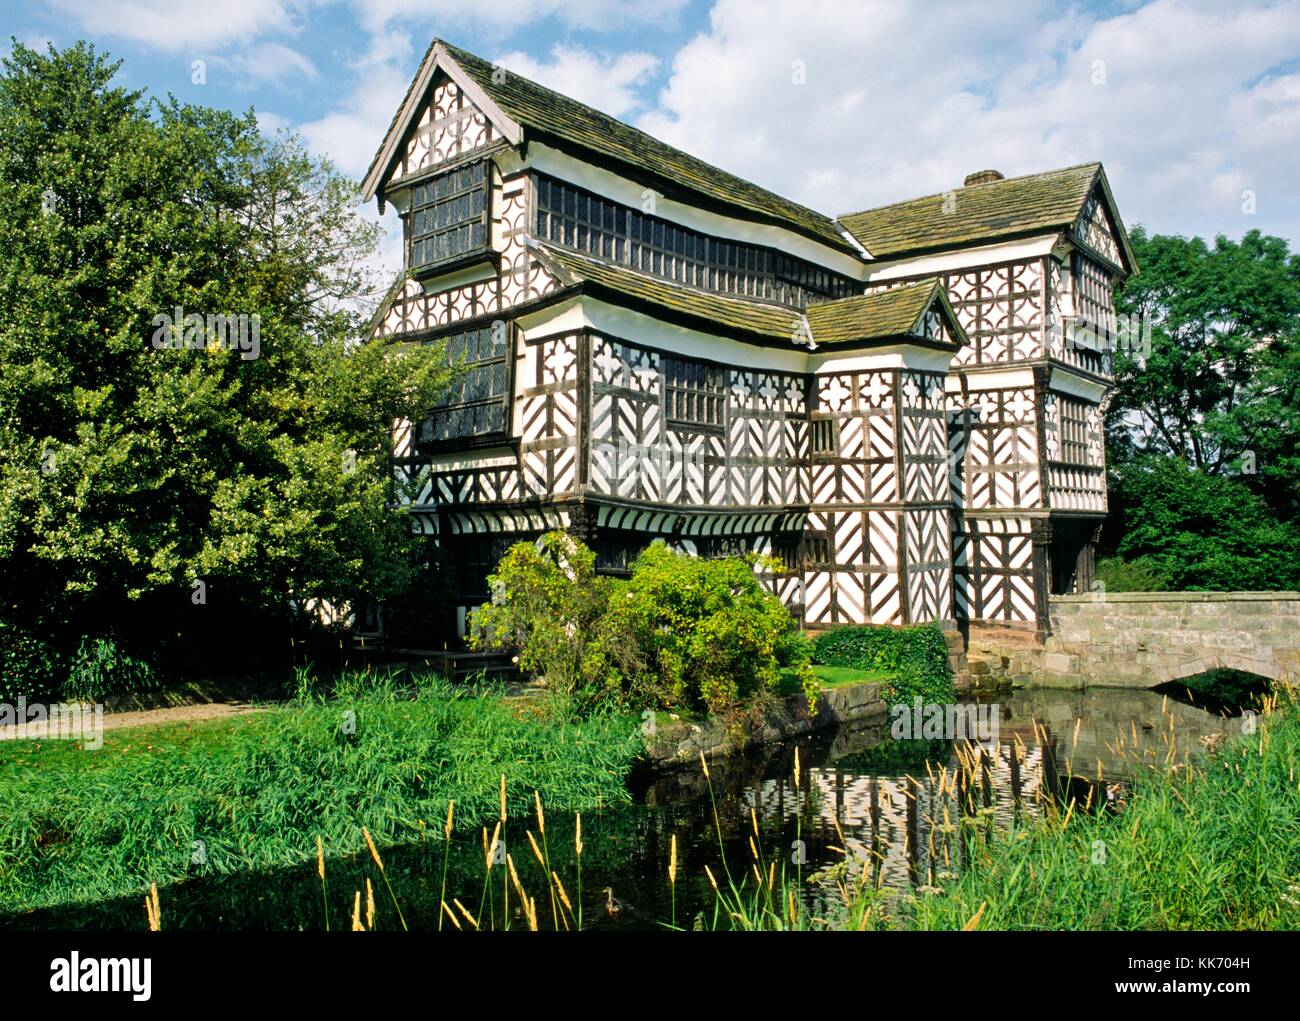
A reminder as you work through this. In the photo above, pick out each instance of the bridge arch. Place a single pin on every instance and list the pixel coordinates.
(1145, 639)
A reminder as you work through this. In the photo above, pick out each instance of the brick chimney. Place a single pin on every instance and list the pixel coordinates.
(982, 177)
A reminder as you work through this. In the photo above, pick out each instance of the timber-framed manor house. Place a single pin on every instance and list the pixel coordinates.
(653, 348)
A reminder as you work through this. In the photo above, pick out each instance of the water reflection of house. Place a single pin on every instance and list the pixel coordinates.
(905, 840)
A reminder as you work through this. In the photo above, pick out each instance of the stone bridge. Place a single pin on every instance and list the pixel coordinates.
(1144, 639)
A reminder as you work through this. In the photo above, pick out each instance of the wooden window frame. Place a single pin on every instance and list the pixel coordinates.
(695, 395)
(572, 217)
(429, 437)
(476, 248)
(824, 437)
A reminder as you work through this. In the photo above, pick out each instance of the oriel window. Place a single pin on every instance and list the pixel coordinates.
(475, 403)
(449, 215)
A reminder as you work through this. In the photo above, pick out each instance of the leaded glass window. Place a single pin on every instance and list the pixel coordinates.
(577, 219)
(449, 215)
(695, 394)
(475, 403)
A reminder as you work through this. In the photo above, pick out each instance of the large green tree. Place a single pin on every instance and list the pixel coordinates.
(156, 496)
(1220, 386)
(1203, 429)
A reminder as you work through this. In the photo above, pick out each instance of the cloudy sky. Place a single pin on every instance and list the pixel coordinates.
(1193, 105)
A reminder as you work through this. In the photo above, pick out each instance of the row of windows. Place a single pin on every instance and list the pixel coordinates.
(475, 403)
(577, 219)
(449, 215)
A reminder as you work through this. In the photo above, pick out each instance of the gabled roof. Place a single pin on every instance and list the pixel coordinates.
(710, 311)
(893, 316)
(980, 213)
(895, 313)
(522, 109)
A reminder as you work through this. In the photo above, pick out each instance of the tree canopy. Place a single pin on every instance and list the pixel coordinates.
(1203, 429)
(151, 492)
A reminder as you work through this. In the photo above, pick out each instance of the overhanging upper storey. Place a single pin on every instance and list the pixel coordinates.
(916, 315)
(992, 210)
(504, 109)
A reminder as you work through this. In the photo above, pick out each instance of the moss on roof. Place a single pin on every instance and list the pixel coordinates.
(736, 314)
(884, 315)
(978, 213)
(566, 122)
(881, 314)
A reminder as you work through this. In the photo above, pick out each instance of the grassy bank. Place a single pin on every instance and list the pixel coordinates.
(158, 805)
(1213, 847)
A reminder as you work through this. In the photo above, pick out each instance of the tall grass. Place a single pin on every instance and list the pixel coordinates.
(256, 792)
(1215, 845)
(1212, 845)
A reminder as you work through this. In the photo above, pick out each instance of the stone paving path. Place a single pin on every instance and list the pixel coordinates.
(140, 718)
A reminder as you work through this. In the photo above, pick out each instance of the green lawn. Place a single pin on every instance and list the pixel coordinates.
(21, 760)
(166, 803)
(832, 677)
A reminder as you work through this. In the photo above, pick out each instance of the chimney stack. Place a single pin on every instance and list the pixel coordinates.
(982, 177)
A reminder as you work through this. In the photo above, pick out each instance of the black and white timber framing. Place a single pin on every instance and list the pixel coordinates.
(652, 352)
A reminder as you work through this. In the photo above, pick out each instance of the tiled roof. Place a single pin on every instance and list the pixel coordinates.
(879, 315)
(568, 123)
(883, 315)
(976, 214)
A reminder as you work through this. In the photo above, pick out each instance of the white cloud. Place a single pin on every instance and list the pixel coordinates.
(350, 134)
(903, 100)
(262, 64)
(271, 123)
(605, 82)
(515, 14)
(180, 24)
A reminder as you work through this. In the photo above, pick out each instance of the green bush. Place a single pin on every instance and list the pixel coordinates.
(102, 667)
(681, 632)
(30, 667)
(703, 634)
(1141, 574)
(548, 606)
(917, 656)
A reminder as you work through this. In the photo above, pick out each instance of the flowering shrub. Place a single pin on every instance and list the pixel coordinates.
(680, 632)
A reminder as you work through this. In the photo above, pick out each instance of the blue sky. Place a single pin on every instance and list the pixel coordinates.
(1193, 105)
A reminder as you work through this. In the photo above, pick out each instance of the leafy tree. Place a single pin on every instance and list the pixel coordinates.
(1203, 429)
(129, 473)
(1182, 528)
(1220, 385)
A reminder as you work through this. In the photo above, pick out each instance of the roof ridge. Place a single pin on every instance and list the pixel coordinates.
(839, 218)
(930, 282)
(457, 51)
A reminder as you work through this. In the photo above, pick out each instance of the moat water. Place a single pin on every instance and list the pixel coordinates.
(863, 801)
